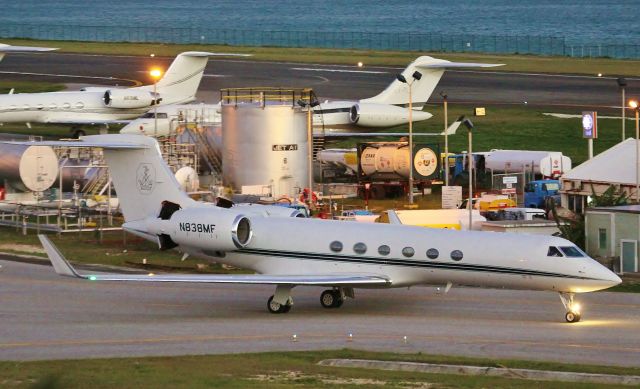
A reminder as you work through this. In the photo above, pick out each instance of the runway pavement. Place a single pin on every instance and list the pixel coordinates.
(44, 316)
(329, 81)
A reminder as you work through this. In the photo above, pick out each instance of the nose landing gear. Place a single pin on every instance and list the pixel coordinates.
(573, 308)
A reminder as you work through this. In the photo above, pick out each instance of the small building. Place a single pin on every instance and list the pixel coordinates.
(614, 166)
(612, 236)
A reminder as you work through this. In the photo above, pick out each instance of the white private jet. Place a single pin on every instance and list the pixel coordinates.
(4, 49)
(340, 118)
(290, 251)
(105, 105)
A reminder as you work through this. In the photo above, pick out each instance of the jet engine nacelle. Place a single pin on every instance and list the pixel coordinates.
(124, 98)
(383, 115)
(214, 229)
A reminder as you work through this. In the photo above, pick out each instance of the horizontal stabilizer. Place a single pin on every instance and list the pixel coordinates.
(64, 268)
(24, 49)
(458, 65)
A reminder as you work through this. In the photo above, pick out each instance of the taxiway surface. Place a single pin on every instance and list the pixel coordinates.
(44, 316)
(328, 81)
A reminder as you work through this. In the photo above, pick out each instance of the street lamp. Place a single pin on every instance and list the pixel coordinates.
(633, 104)
(467, 123)
(155, 74)
(309, 106)
(446, 140)
(415, 77)
(622, 83)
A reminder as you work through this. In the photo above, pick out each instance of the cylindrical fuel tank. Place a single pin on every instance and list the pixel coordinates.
(385, 159)
(28, 168)
(265, 145)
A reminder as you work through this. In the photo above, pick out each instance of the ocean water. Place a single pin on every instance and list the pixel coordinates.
(580, 22)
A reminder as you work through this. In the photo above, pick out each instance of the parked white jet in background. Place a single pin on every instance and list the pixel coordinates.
(339, 255)
(4, 49)
(104, 105)
(389, 107)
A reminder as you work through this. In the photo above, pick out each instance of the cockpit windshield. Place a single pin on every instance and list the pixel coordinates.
(553, 252)
(572, 251)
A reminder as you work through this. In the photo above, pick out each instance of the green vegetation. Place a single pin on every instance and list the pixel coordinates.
(270, 370)
(515, 63)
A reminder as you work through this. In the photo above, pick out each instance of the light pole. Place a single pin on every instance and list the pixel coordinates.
(469, 126)
(633, 104)
(415, 77)
(155, 74)
(622, 83)
(446, 140)
(309, 106)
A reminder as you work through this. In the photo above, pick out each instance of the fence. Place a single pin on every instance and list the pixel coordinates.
(436, 42)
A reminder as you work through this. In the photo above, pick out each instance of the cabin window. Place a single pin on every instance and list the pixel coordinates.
(384, 250)
(79, 105)
(360, 248)
(13, 107)
(66, 105)
(40, 106)
(26, 107)
(572, 251)
(336, 246)
(456, 255)
(53, 106)
(554, 252)
(408, 251)
(432, 253)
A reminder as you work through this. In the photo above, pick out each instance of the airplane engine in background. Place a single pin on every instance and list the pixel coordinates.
(383, 115)
(127, 98)
(217, 229)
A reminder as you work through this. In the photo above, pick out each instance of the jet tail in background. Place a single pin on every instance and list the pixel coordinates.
(431, 69)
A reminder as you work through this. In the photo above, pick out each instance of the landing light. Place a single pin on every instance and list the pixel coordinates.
(155, 73)
(599, 74)
(360, 64)
(92, 278)
(576, 308)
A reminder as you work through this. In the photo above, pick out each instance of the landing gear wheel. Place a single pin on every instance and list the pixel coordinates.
(331, 299)
(572, 317)
(275, 307)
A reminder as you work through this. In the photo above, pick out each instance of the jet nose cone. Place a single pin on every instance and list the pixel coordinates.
(610, 277)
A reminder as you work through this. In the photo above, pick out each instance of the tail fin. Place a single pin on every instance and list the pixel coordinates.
(432, 69)
(181, 81)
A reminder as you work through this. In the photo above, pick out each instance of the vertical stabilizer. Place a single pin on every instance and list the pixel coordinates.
(432, 69)
(181, 81)
(141, 178)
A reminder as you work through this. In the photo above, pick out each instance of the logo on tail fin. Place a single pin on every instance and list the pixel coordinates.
(145, 178)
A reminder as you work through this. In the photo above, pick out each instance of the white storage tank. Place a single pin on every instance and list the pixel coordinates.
(265, 142)
(28, 168)
(545, 163)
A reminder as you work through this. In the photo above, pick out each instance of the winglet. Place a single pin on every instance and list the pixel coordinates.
(60, 264)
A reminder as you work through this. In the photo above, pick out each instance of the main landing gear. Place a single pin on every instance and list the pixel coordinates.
(331, 298)
(573, 308)
(281, 301)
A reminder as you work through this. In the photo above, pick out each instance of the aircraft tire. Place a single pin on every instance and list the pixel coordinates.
(572, 317)
(338, 299)
(328, 299)
(277, 308)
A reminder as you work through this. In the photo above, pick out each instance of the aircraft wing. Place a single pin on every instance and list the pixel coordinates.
(89, 122)
(64, 268)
